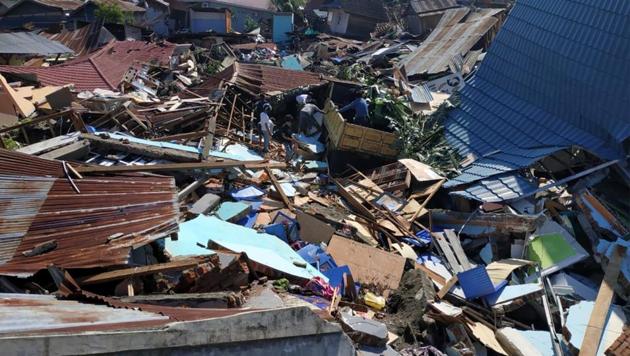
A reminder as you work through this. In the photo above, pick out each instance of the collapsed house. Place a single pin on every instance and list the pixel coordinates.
(413, 195)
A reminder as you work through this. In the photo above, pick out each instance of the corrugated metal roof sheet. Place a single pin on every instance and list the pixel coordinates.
(103, 69)
(555, 76)
(20, 313)
(40, 205)
(500, 188)
(257, 78)
(424, 6)
(449, 39)
(82, 41)
(30, 43)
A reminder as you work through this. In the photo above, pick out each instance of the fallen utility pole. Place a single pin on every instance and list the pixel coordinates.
(180, 166)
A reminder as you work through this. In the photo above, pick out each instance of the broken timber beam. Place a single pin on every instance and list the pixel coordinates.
(140, 271)
(168, 154)
(180, 166)
(597, 321)
(283, 196)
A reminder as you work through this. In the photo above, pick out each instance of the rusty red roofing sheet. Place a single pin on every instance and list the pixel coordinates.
(102, 69)
(29, 314)
(82, 41)
(39, 208)
(257, 78)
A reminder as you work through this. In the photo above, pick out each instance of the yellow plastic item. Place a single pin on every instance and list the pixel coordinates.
(374, 301)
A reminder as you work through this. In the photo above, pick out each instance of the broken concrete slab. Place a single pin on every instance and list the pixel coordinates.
(364, 331)
(205, 204)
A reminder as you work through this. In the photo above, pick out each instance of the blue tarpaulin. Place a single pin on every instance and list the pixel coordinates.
(262, 248)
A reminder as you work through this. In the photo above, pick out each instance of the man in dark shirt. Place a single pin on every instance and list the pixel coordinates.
(361, 110)
(284, 134)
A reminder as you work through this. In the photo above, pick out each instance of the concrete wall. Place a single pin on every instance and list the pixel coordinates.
(288, 331)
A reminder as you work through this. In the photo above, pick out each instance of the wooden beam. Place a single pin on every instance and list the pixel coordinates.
(597, 322)
(447, 287)
(140, 271)
(283, 196)
(435, 189)
(180, 166)
(169, 154)
(354, 203)
(35, 120)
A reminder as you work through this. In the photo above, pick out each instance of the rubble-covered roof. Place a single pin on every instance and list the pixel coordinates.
(103, 69)
(30, 43)
(423, 6)
(552, 79)
(456, 33)
(258, 78)
(45, 206)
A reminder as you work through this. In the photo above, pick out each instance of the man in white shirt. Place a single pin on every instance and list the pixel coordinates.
(266, 126)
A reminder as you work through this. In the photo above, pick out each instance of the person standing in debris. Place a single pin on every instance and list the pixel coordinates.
(361, 110)
(266, 126)
(307, 123)
(258, 109)
(284, 134)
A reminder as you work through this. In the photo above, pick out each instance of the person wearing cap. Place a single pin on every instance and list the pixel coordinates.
(361, 110)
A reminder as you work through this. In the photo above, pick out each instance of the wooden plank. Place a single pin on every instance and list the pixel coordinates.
(140, 271)
(447, 287)
(179, 166)
(432, 275)
(456, 245)
(35, 120)
(283, 196)
(446, 250)
(597, 322)
(434, 189)
(354, 203)
(369, 265)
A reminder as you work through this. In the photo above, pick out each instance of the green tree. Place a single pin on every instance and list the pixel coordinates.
(250, 24)
(289, 5)
(112, 13)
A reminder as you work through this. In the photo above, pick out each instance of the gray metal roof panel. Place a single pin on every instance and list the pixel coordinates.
(30, 43)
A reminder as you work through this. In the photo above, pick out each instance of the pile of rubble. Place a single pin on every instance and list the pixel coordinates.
(178, 183)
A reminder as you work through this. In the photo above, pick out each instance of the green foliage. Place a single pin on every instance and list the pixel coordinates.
(422, 138)
(112, 13)
(10, 143)
(289, 5)
(251, 24)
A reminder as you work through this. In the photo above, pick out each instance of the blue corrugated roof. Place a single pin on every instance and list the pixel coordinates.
(557, 75)
(500, 188)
